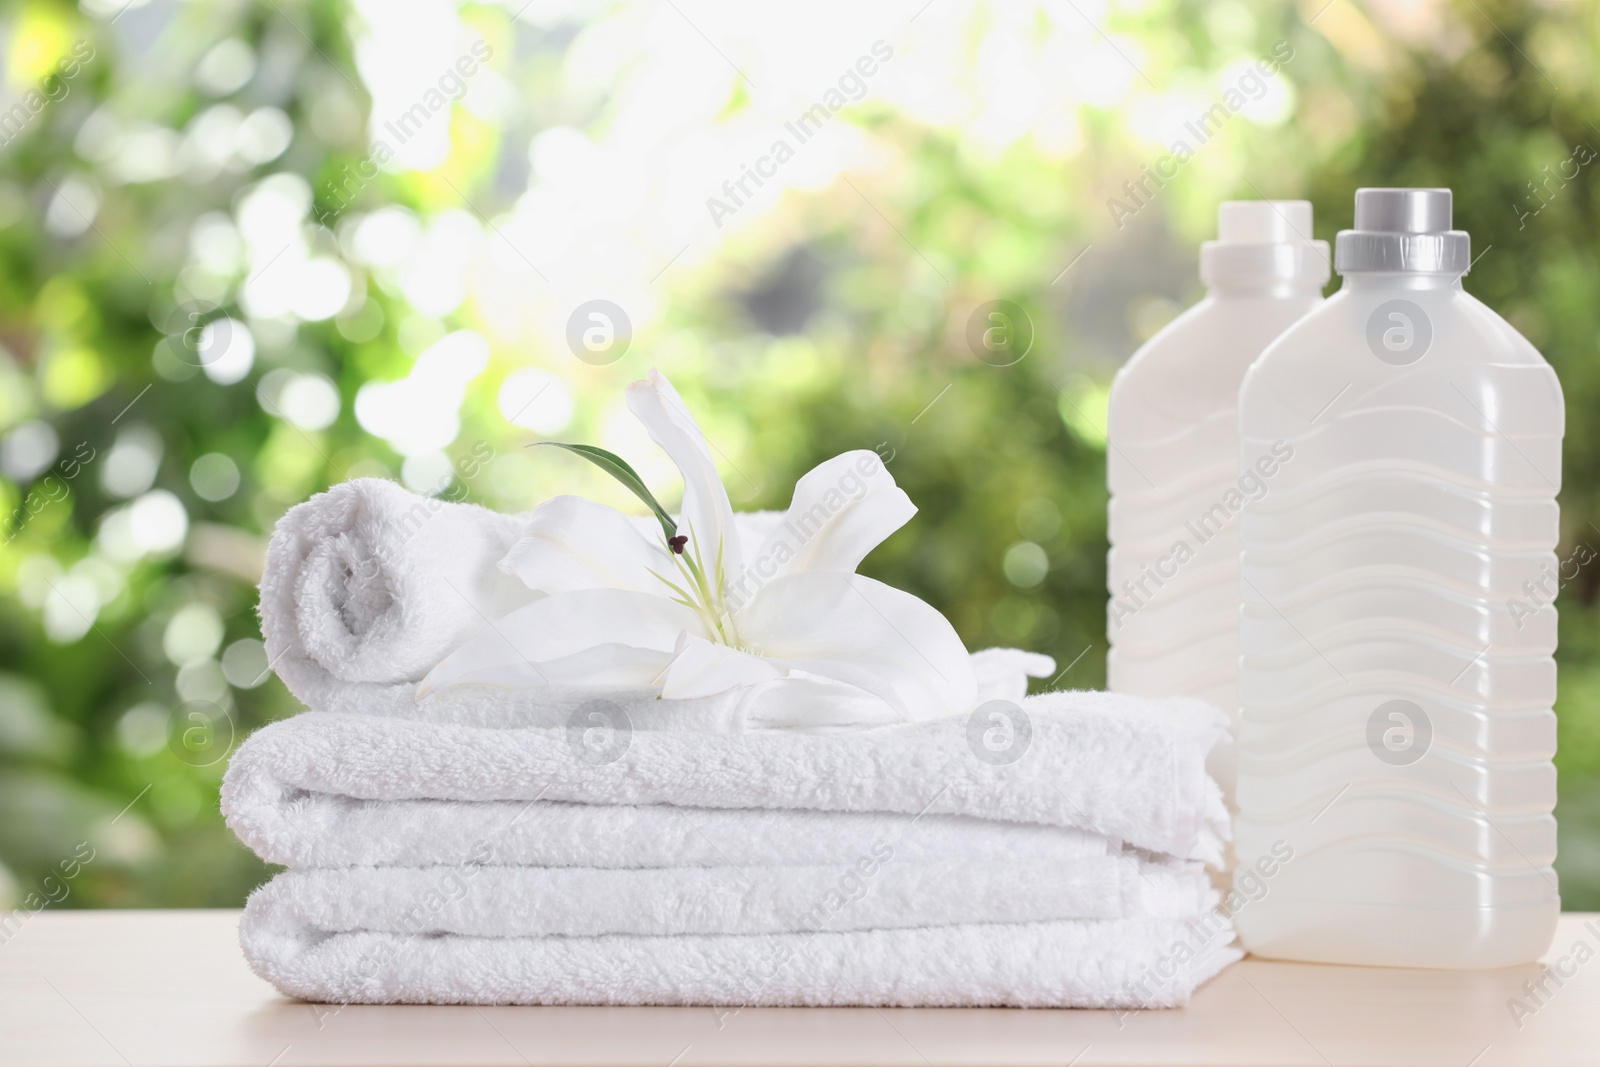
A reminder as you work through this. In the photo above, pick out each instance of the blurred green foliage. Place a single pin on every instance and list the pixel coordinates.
(832, 317)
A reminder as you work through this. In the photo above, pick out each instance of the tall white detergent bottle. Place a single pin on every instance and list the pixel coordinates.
(1397, 733)
(1173, 462)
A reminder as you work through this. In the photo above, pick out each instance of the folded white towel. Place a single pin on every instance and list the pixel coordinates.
(1128, 769)
(1118, 963)
(875, 890)
(721, 848)
(327, 830)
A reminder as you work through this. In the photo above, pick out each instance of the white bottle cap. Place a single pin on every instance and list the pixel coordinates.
(1264, 222)
(1264, 243)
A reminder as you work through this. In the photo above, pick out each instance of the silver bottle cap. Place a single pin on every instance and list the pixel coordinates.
(1403, 230)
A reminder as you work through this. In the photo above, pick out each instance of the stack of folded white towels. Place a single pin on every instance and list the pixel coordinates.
(490, 846)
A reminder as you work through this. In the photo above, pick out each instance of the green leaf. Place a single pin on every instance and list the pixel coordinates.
(619, 469)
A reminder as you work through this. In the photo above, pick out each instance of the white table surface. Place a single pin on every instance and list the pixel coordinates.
(138, 988)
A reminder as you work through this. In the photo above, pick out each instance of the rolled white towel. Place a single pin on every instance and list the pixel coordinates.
(368, 586)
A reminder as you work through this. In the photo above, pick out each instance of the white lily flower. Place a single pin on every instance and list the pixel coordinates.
(753, 602)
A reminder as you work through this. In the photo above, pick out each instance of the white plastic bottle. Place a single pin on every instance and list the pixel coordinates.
(1172, 465)
(1397, 732)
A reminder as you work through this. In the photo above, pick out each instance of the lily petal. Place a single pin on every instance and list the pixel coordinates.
(563, 625)
(859, 631)
(707, 513)
(800, 701)
(1003, 673)
(842, 509)
(702, 669)
(608, 666)
(751, 527)
(573, 543)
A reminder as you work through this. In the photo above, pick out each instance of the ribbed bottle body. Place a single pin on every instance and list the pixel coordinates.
(1396, 691)
(1176, 492)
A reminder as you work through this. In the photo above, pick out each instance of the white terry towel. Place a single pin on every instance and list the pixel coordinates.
(368, 585)
(946, 927)
(1128, 769)
(876, 890)
(328, 830)
(1001, 674)
(1119, 963)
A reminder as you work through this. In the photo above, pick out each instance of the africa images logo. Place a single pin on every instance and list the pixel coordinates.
(1399, 332)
